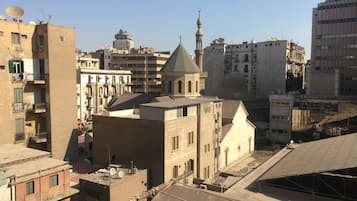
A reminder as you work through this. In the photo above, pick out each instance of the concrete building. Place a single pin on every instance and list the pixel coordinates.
(333, 51)
(29, 174)
(145, 64)
(280, 121)
(104, 55)
(238, 133)
(37, 82)
(275, 66)
(123, 41)
(113, 184)
(213, 64)
(96, 87)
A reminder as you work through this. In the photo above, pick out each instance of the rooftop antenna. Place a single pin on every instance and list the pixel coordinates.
(14, 12)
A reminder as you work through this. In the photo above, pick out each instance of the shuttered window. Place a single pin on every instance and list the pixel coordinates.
(18, 95)
(54, 180)
(30, 188)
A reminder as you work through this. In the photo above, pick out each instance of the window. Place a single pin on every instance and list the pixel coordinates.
(196, 86)
(235, 68)
(30, 188)
(170, 86)
(207, 148)
(246, 68)
(184, 111)
(206, 172)
(190, 137)
(18, 95)
(24, 36)
(190, 165)
(53, 180)
(61, 38)
(1, 33)
(189, 86)
(15, 38)
(179, 86)
(19, 129)
(16, 67)
(175, 171)
(175, 142)
(41, 40)
(246, 58)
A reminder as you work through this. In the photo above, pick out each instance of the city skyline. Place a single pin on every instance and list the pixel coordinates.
(96, 23)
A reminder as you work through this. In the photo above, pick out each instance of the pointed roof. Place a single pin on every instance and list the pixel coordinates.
(180, 62)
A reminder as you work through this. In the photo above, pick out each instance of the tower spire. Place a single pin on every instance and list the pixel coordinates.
(199, 38)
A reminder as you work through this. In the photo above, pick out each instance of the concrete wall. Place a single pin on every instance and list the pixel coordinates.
(239, 141)
(179, 127)
(141, 141)
(5, 191)
(62, 90)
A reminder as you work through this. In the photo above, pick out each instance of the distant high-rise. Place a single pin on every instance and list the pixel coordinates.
(334, 49)
(123, 41)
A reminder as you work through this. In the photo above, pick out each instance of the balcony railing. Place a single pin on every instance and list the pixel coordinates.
(40, 137)
(17, 77)
(37, 78)
(39, 107)
(17, 107)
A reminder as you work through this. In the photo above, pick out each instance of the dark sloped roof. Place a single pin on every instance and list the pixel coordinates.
(229, 108)
(128, 101)
(180, 62)
(179, 193)
(326, 155)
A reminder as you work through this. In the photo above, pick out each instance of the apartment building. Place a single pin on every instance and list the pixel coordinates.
(145, 64)
(37, 85)
(280, 119)
(333, 51)
(30, 174)
(275, 66)
(96, 87)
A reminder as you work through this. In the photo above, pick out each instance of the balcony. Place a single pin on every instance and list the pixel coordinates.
(17, 107)
(17, 77)
(37, 78)
(40, 137)
(39, 108)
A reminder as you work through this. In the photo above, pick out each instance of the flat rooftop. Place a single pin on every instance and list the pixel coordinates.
(180, 102)
(103, 176)
(11, 154)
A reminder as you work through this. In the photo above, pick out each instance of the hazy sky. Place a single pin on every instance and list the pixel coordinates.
(159, 23)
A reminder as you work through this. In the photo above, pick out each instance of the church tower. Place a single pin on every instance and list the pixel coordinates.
(199, 53)
(180, 75)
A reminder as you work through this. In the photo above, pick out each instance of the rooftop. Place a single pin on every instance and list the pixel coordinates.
(103, 176)
(180, 193)
(180, 102)
(320, 156)
(11, 154)
(229, 108)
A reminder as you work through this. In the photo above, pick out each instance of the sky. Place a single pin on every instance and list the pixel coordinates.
(160, 23)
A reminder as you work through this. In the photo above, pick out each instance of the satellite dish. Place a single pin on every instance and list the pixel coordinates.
(121, 174)
(112, 171)
(14, 12)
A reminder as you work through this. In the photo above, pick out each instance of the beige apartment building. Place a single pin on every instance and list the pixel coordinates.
(37, 86)
(333, 51)
(97, 87)
(145, 64)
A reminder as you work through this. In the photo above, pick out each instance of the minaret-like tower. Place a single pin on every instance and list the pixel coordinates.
(199, 38)
(199, 53)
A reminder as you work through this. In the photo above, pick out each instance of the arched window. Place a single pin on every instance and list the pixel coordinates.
(189, 86)
(180, 86)
(196, 86)
(170, 87)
